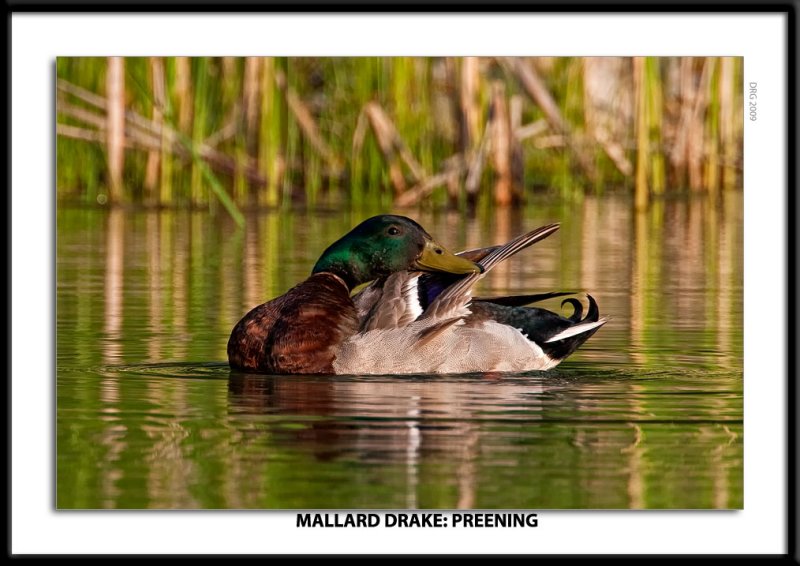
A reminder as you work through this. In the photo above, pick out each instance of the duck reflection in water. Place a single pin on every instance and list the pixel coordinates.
(384, 419)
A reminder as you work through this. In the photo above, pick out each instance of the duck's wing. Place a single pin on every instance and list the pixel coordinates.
(431, 285)
(452, 301)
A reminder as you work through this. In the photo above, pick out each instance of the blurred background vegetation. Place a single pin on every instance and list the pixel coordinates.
(256, 132)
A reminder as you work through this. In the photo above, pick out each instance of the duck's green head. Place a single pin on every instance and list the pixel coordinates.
(386, 244)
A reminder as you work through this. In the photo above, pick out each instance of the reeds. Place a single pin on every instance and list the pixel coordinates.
(266, 132)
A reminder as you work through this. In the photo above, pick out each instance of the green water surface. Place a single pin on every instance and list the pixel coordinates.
(647, 414)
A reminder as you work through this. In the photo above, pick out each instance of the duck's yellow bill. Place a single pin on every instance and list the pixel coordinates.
(436, 258)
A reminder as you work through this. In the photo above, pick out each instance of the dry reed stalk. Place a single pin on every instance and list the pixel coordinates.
(135, 139)
(162, 100)
(454, 168)
(470, 109)
(360, 133)
(252, 97)
(695, 129)
(531, 130)
(183, 93)
(642, 136)
(614, 151)
(270, 150)
(151, 136)
(393, 148)
(383, 135)
(688, 150)
(696, 147)
(547, 142)
(679, 155)
(448, 115)
(153, 169)
(604, 105)
(74, 132)
(517, 163)
(99, 121)
(711, 140)
(234, 98)
(115, 90)
(501, 146)
(475, 169)
(225, 133)
(198, 185)
(655, 112)
(536, 89)
(308, 126)
(727, 112)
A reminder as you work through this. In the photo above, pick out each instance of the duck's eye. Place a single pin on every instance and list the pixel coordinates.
(393, 231)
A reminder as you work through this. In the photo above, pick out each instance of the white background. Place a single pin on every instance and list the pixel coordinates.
(38, 39)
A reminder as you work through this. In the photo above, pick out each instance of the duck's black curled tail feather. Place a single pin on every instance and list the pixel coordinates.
(577, 306)
(564, 342)
(556, 335)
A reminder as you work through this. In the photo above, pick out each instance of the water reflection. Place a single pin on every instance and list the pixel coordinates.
(647, 414)
(675, 269)
(537, 429)
(114, 277)
(393, 422)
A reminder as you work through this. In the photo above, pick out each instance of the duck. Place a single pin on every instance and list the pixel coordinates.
(301, 331)
(414, 323)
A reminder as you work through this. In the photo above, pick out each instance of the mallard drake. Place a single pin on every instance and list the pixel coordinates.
(301, 331)
(440, 328)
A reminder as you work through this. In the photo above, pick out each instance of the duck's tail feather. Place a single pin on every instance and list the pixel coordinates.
(577, 307)
(577, 330)
(557, 336)
(565, 341)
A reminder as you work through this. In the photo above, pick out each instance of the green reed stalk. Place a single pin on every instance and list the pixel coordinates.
(199, 121)
(234, 97)
(655, 111)
(712, 128)
(642, 137)
(270, 152)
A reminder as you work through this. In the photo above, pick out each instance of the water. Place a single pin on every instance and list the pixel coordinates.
(647, 414)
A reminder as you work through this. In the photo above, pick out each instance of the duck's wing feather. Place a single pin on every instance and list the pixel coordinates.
(431, 285)
(453, 300)
(478, 253)
(397, 305)
(367, 297)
